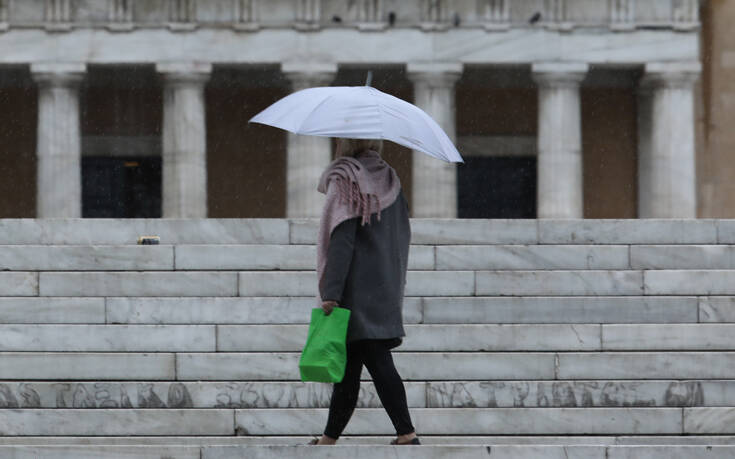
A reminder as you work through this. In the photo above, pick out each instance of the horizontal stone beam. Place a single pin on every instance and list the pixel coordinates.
(470, 46)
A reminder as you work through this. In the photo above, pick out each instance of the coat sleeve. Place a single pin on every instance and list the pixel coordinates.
(339, 258)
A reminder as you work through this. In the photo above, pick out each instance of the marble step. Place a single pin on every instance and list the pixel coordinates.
(271, 257)
(45, 310)
(439, 366)
(226, 366)
(413, 366)
(110, 338)
(86, 258)
(419, 283)
(421, 257)
(549, 231)
(498, 421)
(296, 440)
(424, 231)
(223, 310)
(433, 394)
(100, 452)
(682, 257)
(434, 338)
(498, 338)
(151, 283)
(430, 310)
(113, 422)
(577, 309)
(90, 231)
(423, 338)
(369, 421)
(693, 282)
(368, 452)
(465, 283)
(472, 452)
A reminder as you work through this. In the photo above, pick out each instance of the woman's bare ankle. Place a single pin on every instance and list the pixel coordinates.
(327, 441)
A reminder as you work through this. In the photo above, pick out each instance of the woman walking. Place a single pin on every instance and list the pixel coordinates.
(362, 254)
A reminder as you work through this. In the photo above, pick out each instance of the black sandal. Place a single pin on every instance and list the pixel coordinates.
(414, 441)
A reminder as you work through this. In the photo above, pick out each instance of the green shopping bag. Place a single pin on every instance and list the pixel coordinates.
(325, 354)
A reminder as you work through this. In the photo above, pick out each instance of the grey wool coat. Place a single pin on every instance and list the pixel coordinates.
(365, 272)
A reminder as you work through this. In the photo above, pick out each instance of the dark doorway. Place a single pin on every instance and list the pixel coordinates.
(121, 187)
(497, 187)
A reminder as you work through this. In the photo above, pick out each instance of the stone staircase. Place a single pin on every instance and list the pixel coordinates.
(526, 339)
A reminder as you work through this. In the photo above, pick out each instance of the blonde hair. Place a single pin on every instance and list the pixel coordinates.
(351, 147)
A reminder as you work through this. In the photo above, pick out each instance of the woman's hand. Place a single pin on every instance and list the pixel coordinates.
(328, 306)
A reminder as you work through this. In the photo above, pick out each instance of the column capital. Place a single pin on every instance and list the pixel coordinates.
(434, 73)
(185, 72)
(58, 74)
(309, 74)
(670, 74)
(559, 74)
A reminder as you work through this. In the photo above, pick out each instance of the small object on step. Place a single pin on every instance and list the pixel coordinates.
(149, 240)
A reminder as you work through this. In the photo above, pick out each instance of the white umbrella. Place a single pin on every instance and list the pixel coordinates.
(359, 112)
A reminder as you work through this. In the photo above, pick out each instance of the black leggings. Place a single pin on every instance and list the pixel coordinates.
(376, 356)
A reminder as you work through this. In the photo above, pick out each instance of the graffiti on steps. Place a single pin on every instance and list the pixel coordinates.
(475, 394)
(565, 394)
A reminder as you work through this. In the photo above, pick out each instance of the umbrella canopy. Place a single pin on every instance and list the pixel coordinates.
(359, 112)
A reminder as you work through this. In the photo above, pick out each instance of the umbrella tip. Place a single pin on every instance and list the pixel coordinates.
(369, 78)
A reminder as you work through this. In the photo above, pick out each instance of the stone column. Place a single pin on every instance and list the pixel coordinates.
(3, 15)
(307, 156)
(559, 165)
(58, 147)
(667, 185)
(184, 140)
(435, 181)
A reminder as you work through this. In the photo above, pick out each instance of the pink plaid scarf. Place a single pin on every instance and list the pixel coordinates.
(359, 187)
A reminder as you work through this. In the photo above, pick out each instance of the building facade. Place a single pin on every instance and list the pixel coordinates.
(562, 108)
